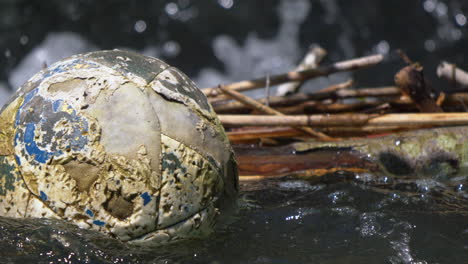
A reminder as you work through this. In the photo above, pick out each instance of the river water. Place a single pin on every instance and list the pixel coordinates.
(343, 222)
(219, 41)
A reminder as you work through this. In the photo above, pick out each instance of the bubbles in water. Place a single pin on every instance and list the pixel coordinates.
(183, 14)
(339, 196)
(426, 185)
(171, 49)
(429, 5)
(369, 224)
(140, 26)
(297, 185)
(441, 9)
(382, 47)
(301, 213)
(345, 211)
(292, 217)
(430, 45)
(456, 34)
(401, 243)
(460, 19)
(446, 30)
(226, 3)
(24, 40)
(365, 177)
(171, 9)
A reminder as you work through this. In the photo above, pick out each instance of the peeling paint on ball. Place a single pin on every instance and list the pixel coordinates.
(116, 142)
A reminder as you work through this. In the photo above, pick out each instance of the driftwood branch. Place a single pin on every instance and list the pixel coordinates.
(453, 74)
(336, 87)
(403, 120)
(300, 98)
(319, 107)
(268, 110)
(311, 61)
(294, 76)
(249, 135)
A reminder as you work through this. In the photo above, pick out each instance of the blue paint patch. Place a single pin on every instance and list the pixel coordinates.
(56, 105)
(63, 67)
(43, 196)
(99, 223)
(146, 198)
(30, 96)
(18, 161)
(31, 146)
(90, 213)
(76, 139)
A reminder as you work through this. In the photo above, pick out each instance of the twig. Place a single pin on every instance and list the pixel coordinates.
(451, 73)
(440, 99)
(368, 130)
(336, 87)
(300, 98)
(403, 120)
(404, 56)
(311, 61)
(263, 132)
(263, 108)
(246, 135)
(319, 107)
(293, 76)
(267, 90)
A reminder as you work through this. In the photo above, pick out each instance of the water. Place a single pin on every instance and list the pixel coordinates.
(219, 41)
(341, 222)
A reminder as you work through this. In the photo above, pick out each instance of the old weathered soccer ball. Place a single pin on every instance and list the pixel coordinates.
(117, 142)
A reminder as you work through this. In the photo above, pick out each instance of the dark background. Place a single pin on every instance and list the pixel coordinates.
(226, 38)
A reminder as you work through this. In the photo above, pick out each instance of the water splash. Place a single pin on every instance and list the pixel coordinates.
(56, 46)
(257, 57)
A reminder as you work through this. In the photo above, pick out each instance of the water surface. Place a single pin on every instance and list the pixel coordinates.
(341, 222)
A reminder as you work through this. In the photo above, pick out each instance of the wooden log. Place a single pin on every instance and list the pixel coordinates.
(318, 107)
(403, 120)
(281, 161)
(428, 152)
(268, 110)
(249, 135)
